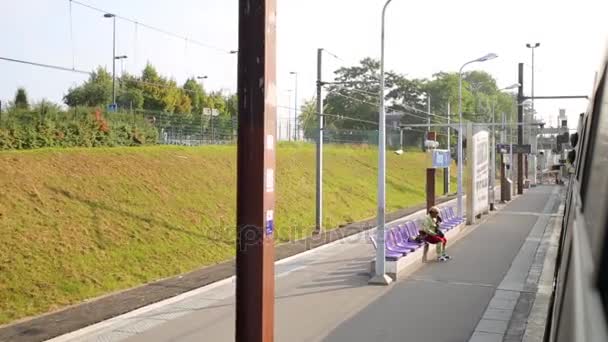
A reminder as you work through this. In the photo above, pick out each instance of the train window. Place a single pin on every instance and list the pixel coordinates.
(595, 179)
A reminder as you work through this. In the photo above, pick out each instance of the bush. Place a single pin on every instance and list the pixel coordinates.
(47, 126)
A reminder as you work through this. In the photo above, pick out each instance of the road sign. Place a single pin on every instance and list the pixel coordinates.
(215, 112)
(441, 159)
(207, 111)
(506, 148)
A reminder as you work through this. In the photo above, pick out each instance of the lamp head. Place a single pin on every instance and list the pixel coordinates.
(487, 57)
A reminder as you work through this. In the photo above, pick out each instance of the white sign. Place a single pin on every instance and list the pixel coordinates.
(215, 112)
(269, 180)
(477, 165)
(480, 174)
(207, 111)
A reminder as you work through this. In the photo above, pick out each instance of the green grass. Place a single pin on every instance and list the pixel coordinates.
(79, 223)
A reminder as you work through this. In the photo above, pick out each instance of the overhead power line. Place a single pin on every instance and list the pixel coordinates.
(49, 66)
(350, 118)
(56, 67)
(154, 28)
(394, 108)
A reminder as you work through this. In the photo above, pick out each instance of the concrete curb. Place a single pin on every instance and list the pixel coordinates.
(102, 309)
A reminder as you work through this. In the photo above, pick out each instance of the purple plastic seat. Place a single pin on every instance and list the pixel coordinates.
(391, 244)
(453, 215)
(402, 241)
(387, 254)
(409, 233)
(411, 227)
(447, 223)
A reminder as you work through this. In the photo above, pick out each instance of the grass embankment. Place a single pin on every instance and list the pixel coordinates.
(78, 223)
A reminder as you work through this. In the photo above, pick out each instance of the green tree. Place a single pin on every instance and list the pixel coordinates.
(130, 98)
(21, 101)
(96, 91)
(309, 120)
(195, 92)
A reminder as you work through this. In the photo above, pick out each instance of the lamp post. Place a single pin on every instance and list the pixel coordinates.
(121, 58)
(295, 111)
(530, 119)
(109, 15)
(380, 276)
(460, 127)
(492, 182)
(204, 77)
(532, 47)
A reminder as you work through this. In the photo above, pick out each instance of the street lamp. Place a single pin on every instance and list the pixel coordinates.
(202, 78)
(109, 15)
(295, 111)
(460, 159)
(492, 182)
(380, 276)
(532, 47)
(121, 58)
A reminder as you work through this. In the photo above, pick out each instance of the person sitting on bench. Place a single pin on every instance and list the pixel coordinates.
(432, 234)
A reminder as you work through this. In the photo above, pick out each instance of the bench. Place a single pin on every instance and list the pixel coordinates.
(400, 239)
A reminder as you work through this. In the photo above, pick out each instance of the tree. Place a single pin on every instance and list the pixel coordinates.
(309, 120)
(130, 98)
(354, 97)
(195, 92)
(96, 91)
(21, 99)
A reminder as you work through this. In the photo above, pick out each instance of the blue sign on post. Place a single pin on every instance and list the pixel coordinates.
(441, 159)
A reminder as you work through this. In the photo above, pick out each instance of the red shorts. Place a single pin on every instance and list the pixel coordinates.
(434, 239)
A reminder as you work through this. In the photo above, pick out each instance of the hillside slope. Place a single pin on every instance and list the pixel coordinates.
(78, 223)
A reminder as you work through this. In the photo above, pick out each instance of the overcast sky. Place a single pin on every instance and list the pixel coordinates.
(423, 37)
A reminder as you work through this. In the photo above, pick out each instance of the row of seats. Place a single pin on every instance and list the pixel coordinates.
(401, 239)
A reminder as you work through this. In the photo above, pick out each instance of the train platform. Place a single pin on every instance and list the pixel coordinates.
(494, 289)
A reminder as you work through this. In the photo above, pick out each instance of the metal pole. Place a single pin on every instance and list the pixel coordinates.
(533, 80)
(447, 171)
(289, 119)
(460, 159)
(295, 112)
(520, 136)
(114, 62)
(493, 161)
(401, 139)
(319, 192)
(428, 119)
(256, 171)
(380, 277)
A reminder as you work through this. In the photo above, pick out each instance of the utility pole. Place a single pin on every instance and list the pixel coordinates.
(428, 109)
(380, 277)
(319, 192)
(256, 167)
(109, 15)
(492, 161)
(446, 172)
(295, 111)
(520, 136)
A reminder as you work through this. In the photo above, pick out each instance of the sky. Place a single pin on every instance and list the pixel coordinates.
(422, 38)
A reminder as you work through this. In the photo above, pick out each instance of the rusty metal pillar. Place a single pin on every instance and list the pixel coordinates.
(256, 171)
(520, 136)
(503, 179)
(430, 188)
